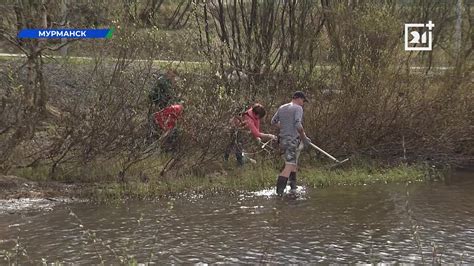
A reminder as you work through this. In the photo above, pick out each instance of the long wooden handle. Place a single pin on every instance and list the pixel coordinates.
(323, 152)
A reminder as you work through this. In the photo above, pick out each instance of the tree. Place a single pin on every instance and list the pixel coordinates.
(261, 36)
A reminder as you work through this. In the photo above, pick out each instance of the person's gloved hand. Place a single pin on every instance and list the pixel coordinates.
(272, 137)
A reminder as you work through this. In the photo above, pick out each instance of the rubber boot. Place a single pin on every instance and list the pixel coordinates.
(292, 179)
(281, 185)
(240, 158)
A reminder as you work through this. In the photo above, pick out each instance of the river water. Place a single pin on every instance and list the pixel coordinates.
(414, 223)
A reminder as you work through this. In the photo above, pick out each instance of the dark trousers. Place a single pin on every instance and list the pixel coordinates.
(235, 147)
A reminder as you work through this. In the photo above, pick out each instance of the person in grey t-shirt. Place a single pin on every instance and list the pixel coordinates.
(288, 119)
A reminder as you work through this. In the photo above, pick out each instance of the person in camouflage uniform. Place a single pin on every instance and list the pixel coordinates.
(162, 94)
(162, 97)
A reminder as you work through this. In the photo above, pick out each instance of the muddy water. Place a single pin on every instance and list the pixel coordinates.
(422, 222)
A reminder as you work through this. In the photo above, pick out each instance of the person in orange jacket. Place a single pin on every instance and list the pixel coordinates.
(248, 121)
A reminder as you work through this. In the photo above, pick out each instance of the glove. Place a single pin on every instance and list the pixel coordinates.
(271, 136)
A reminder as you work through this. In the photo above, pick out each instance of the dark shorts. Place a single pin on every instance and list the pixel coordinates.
(291, 148)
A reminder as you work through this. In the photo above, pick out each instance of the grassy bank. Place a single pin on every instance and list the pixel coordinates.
(99, 181)
(255, 178)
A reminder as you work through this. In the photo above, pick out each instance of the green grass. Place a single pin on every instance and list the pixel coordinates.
(39, 173)
(252, 178)
(180, 66)
(230, 181)
(100, 182)
(363, 175)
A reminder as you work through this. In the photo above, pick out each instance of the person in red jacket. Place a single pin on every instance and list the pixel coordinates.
(248, 121)
(167, 119)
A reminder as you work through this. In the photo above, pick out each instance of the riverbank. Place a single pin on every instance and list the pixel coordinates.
(223, 181)
(14, 187)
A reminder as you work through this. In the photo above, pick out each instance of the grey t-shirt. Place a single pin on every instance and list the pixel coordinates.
(290, 117)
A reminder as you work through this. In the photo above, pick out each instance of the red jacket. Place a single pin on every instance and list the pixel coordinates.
(252, 122)
(166, 118)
